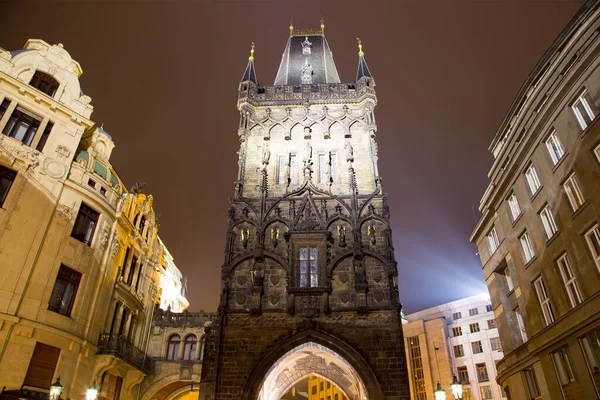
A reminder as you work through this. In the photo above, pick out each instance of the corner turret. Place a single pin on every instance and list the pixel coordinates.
(363, 69)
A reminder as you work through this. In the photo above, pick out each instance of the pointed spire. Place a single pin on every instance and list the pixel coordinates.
(363, 69)
(291, 26)
(322, 25)
(250, 72)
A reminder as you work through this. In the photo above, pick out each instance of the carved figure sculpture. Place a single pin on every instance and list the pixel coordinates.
(342, 235)
(266, 154)
(349, 151)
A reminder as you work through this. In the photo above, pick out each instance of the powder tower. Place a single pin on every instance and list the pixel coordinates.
(309, 276)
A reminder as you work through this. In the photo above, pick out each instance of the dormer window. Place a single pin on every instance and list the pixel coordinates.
(44, 83)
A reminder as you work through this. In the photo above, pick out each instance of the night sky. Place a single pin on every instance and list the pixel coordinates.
(163, 80)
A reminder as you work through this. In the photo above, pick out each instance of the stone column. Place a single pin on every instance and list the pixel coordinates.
(110, 316)
(38, 132)
(118, 318)
(7, 114)
(127, 323)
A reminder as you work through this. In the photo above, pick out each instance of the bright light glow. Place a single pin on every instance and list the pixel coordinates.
(56, 389)
(457, 388)
(92, 392)
(440, 394)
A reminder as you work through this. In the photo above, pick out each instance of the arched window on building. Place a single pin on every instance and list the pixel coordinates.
(44, 83)
(173, 347)
(202, 343)
(189, 347)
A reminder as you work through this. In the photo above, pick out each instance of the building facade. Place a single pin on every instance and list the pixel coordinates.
(309, 277)
(81, 264)
(457, 338)
(539, 237)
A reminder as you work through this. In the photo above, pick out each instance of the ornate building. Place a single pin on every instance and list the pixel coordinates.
(81, 264)
(309, 277)
(539, 238)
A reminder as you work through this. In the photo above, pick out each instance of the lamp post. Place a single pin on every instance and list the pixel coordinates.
(439, 393)
(56, 389)
(92, 392)
(457, 388)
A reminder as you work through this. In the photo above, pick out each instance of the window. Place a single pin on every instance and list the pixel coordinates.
(548, 221)
(564, 366)
(44, 137)
(477, 347)
(110, 388)
(570, 281)
(540, 288)
(531, 386)
(474, 327)
(4, 106)
(173, 347)
(309, 269)
(582, 108)
(496, 344)
(527, 247)
(457, 331)
(509, 280)
(459, 351)
(555, 148)
(323, 168)
(333, 165)
(467, 395)
(591, 348)
(463, 375)
(202, 345)
(491, 323)
(521, 324)
(293, 170)
(42, 366)
(473, 311)
(513, 205)
(7, 177)
(85, 224)
(416, 362)
(532, 179)
(489, 308)
(482, 373)
(281, 170)
(22, 126)
(44, 83)
(593, 240)
(486, 392)
(574, 192)
(189, 347)
(314, 389)
(64, 291)
(458, 315)
(493, 240)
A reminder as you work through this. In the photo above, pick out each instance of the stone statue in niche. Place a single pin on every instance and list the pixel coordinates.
(342, 235)
(258, 276)
(307, 155)
(371, 209)
(245, 235)
(359, 274)
(349, 151)
(371, 234)
(231, 214)
(246, 212)
(266, 154)
(274, 236)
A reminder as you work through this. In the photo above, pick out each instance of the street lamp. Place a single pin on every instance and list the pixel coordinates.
(457, 388)
(440, 394)
(56, 389)
(92, 392)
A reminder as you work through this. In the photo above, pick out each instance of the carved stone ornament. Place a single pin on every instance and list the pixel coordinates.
(65, 212)
(240, 298)
(343, 277)
(345, 297)
(274, 279)
(241, 280)
(377, 276)
(53, 168)
(274, 299)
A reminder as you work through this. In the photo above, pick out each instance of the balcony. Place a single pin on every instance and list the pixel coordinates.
(118, 346)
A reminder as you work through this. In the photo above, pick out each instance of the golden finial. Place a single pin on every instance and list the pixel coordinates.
(360, 52)
(251, 58)
(291, 26)
(322, 25)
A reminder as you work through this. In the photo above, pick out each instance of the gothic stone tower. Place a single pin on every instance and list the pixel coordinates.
(309, 278)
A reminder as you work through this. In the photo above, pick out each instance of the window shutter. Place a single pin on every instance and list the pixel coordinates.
(42, 366)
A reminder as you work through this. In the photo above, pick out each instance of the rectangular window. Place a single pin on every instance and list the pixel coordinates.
(531, 386)
(509, 280)
(467, 395)
(7, 177)
(417, 368)
(574, 192)
(110, 389)
(540, 288)
(570, 281)
(463, 375)
(521, 324)
(456, 315)
(486, 392)
(42, 366)
(473, 311)
(489, 308)
(513, 205)
(477, 347)
(496, 344)
(555, 149)
(293, 170)
(533, 182)
(493, 240)
(44, 137)
(64, 291)
(22, 126)
(527, 247)
(459, 351)
(85, 224)
(3, 107)
(582, 108)
(593, 240)
(482, 373)
(491, 324)
(322, 168)
(548, 222)
(457, 331)
(564, 366)
(281, 166)
(334, 169)
(44, 83)
(309, 269)
(474, 328)
(591, 348)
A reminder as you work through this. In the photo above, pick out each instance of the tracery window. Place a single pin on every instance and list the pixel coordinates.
(189, 347)
(309, 267)
(173, 347)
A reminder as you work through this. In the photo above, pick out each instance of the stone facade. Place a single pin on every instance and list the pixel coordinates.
(309, 264)
(538, 236)
(81, 264)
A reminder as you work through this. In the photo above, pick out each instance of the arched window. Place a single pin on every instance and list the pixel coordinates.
(173, 347)
(202, 344)
(44, 83)
(189, 347)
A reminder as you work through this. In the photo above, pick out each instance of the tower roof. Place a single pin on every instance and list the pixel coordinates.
(250, 72)
(363, 68)
(307, 58)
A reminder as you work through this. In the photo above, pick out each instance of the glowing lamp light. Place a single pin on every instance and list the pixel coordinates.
(457, 388)
(56, 389)
(440, 394)
(92, 392)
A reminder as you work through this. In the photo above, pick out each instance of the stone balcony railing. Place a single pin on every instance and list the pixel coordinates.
(168, 318)
(111, 344)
